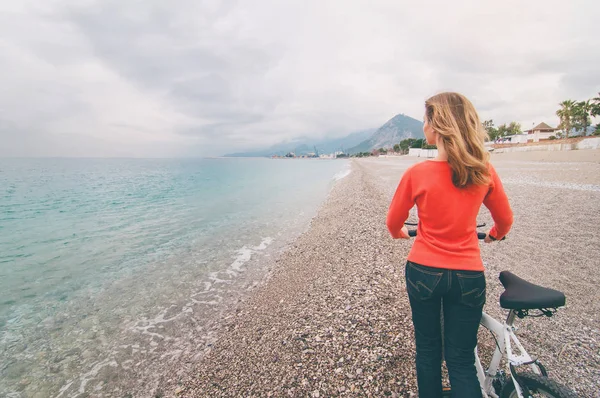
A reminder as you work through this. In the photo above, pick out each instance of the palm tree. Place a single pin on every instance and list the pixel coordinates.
(582, 111)
(566, 115)
(514, 128)
(596, 106)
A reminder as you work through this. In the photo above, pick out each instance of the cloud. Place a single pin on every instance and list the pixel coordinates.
(196, 78)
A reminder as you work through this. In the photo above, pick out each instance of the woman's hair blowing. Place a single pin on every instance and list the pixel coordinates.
(455, 119)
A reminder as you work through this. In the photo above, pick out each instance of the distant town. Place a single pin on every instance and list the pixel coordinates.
(312, 155)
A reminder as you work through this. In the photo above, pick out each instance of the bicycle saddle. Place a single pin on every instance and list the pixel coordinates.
(522, 295)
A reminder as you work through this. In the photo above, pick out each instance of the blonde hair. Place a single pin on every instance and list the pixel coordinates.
(455, 119)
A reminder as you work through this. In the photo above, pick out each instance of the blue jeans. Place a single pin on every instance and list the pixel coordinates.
(463, 296)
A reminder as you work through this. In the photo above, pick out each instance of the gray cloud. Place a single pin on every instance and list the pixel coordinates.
(114, 78)
(203, 72)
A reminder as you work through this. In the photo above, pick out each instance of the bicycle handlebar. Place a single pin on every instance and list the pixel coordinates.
(480, 235)
(414, 224)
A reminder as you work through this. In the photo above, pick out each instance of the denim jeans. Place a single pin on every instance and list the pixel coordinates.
(463, 296)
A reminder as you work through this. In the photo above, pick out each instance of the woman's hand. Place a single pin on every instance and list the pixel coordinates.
(487, 238)
(404, 233)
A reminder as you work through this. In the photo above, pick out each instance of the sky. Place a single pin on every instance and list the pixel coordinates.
(119, 78)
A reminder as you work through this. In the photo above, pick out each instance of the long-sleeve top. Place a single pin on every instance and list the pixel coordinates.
(446, 233)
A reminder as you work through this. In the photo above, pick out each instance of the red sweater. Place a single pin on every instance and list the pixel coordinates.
(446, 235)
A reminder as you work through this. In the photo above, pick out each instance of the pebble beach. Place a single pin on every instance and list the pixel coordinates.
(332, 317)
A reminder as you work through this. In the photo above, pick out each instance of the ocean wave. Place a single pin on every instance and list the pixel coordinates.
(245, 254)
(342, 174)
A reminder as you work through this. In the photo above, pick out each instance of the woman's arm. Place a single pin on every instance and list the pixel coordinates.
(497, 202)
(401, 204)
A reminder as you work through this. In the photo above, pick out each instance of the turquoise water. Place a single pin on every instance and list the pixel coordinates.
(108, 265)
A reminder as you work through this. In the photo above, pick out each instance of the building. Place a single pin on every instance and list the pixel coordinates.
(540, 132)
(422, 153)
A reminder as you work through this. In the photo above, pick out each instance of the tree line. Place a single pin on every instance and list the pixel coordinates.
(577, 115)
(574, 116)
(401, 148)
(503, 130)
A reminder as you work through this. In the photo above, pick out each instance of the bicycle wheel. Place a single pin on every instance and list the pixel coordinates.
(539, 386)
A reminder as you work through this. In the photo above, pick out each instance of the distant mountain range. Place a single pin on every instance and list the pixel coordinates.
(392, 132)
(304, 146)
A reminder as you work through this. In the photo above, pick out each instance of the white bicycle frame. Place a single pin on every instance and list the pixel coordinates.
(506, 340)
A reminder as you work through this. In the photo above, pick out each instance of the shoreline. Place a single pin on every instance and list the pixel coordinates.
(119, 338)
(333, 318)
(314, 327)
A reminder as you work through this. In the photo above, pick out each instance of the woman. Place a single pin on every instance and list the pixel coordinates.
(444, 264)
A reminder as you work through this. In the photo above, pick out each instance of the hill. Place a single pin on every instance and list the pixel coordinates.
(304, 146)
(392, 132)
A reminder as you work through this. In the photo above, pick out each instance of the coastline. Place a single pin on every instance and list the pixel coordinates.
(117, 337)
(333, 317)
(330, 320)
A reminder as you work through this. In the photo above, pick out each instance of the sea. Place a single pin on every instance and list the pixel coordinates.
(112, 270)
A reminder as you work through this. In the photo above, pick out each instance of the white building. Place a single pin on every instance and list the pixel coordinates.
(540, 132)
(423, 153)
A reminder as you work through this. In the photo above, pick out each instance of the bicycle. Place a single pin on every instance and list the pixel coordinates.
(519, 297)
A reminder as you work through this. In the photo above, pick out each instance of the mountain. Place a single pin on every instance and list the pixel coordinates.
(395, 130)
(304, 146)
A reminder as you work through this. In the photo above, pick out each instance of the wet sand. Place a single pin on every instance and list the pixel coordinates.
(333, 318)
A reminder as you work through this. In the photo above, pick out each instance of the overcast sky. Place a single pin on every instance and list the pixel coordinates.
(196, 78)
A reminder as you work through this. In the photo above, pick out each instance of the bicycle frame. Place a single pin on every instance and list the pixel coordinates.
(506, 340)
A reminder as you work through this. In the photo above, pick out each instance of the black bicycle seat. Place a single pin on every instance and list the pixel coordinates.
(522, 295)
